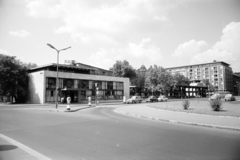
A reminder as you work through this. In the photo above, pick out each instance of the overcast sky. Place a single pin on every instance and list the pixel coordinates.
(167, 33)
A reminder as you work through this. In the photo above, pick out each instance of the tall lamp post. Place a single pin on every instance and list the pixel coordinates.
(56, 95)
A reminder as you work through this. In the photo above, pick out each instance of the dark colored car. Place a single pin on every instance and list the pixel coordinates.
(152, 99)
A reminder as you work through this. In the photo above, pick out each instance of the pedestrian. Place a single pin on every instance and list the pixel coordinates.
(68, 102)
(89, 101)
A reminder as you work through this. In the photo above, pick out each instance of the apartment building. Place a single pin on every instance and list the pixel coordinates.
(218, 73)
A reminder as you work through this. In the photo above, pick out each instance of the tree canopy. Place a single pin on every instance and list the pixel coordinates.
(13, 78)
(123, 69)
(157, 78)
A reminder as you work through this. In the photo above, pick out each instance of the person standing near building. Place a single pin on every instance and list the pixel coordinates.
(68, 102)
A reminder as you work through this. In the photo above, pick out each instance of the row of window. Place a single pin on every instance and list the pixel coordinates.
(83, 84)
(78, 96)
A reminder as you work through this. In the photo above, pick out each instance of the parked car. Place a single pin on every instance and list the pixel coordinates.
(134, 99)
(152, 99)
(162, 98)
(215, 96)
(229, 97)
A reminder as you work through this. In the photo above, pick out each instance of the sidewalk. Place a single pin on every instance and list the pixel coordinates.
(13, 150)
(223, 122)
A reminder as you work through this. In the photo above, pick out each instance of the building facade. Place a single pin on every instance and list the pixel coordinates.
(236, 83)
(219, 74)
(79, 81)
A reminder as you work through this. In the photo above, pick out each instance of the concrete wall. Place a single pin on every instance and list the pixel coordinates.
(36, 87)
(37, 83)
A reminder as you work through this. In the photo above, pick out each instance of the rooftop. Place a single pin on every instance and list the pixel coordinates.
(214, 62)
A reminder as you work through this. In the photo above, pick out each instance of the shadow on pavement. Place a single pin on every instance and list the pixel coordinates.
(75, 110)
(7, 147)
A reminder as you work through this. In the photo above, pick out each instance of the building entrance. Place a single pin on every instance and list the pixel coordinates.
(72, 94)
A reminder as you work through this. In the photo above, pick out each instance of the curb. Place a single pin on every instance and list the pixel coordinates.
(174, 121)
(194, 113)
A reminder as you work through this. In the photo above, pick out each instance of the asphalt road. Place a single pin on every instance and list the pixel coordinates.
(101, 134)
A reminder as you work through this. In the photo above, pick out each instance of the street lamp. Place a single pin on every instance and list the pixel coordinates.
(51, 46)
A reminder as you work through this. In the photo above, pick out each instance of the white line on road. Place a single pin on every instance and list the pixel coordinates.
(25, 148)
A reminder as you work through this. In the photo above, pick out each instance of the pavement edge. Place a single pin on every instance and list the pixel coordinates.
(174, 121)
(30, 151)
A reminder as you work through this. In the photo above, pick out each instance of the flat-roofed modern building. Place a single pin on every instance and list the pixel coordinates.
(219, 74)
(77, 81)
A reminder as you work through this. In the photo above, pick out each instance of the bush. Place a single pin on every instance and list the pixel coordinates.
(186, 104)
(216, 104)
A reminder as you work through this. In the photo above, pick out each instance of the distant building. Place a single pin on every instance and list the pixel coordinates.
(219, 74)
(76, 80)
(236, 83)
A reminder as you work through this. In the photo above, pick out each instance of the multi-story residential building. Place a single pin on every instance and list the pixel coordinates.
(219, 74)
(77, 81)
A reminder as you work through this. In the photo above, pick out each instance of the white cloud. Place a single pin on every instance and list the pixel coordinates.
(162, 18)
(44, 8)
(2, 51)
(142, 49)
(134, 53)
(109, 18)
(212, 54)
(189, 48)
(102, 59)
(21, 33)
(227, 49)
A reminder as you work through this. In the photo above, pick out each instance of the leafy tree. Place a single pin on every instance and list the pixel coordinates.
(13, 78)
(30, 65)
(206, 83)
(181, 80)
(123, 69)
(157, 78)
(139, 80)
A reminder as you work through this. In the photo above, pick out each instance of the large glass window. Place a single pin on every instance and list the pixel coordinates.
(114, 85)
(83, 84)
(99, 84)
(119, 85)
(68, 83)
(51, 82)
(60, 83)
(107, 90)
(109, 85)
(104, 85)
(75, 84)
(91, 85)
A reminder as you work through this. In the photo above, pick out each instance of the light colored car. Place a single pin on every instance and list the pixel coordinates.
(215, 96)
(162, 98)
(134, 99)
(229, 97)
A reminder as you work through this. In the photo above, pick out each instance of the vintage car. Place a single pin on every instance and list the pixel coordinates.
(134, 99)
(215, 96)
(229, 97)
(162, 98)
(152, 99)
